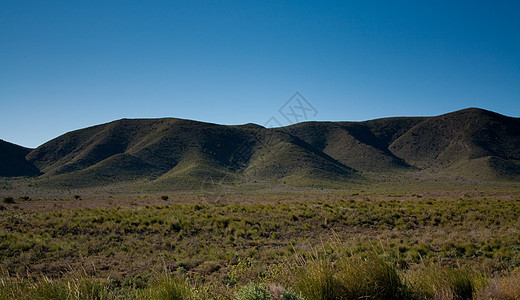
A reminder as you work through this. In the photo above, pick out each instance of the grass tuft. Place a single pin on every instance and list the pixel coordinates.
(169, 288)
(46, 288)
(436, 282)
(350, 278)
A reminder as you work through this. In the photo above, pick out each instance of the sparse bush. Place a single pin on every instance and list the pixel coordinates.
(77, 197)
(254, 292)
(9, 200)
(289, 294)
(164, 197)
(278, 292)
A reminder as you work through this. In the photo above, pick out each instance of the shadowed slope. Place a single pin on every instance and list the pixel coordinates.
(361, 145)
(13, 162)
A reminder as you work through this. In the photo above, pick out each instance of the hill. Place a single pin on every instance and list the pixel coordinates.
(471, 142)
(176, 153)
(13, 162)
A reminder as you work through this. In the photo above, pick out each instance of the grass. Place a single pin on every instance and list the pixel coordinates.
(385, 247)
(374, 277)
(169, 288)
(436, 282)
(352, 277)
(502, 288)
(46, 288)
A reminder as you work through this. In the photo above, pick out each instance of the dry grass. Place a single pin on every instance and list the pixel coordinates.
(502, 288)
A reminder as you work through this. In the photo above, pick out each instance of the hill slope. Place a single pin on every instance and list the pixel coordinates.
(463, 142)
(181, 153)
(13, 162)
(361, 145)
(175, 152)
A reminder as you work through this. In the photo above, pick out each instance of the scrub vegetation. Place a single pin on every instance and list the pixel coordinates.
(324, 246)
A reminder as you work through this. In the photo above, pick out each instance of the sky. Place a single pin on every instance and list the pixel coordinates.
(66, 65)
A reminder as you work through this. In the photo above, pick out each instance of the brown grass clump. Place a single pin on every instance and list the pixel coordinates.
(502, 288)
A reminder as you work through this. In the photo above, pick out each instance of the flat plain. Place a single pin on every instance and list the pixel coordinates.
(232, 241)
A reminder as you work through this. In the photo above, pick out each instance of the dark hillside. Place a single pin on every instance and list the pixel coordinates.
(13, 162)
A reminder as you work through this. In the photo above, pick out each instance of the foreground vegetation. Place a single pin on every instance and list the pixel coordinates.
(321, 247)
(319, 277)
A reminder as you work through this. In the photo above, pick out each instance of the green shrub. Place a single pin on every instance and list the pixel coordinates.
(254, 292)
(289, 294)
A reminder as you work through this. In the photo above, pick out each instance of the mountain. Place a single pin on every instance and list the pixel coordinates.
(362, 145)
(471, 142)
(13, 162)
(175, 152)
(172, 153)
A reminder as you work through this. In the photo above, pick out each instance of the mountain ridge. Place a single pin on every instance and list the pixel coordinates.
(170, 152)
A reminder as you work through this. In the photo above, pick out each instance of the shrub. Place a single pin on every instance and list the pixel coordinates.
(9, 200)
(289, 294)
(164, 197)
(254, 292)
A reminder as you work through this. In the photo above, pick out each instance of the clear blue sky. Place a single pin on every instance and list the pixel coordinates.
(66, 65)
